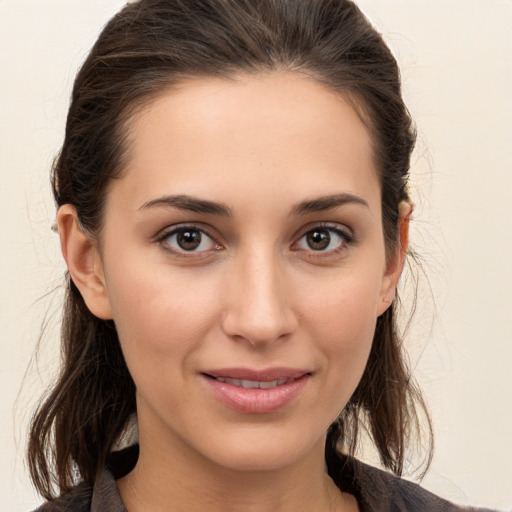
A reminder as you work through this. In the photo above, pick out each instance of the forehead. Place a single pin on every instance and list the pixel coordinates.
(277, 133)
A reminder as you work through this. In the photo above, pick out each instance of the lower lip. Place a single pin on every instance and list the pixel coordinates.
(256, 400)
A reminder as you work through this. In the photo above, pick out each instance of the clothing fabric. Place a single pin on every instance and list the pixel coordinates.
(374, 489)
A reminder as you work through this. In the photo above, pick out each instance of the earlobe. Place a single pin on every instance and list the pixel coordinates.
(395, 264)
(84, 262)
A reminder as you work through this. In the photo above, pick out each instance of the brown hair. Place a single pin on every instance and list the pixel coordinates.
(147, 47)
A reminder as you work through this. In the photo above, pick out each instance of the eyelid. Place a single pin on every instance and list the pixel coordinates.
(341, 230)
(167, 232)
(334, 226)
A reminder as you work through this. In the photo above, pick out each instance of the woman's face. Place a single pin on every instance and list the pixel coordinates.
(243, 263)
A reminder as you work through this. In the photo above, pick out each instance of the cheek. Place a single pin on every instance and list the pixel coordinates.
(348, 327)
(341, 318)
(160, 317)
(344, 304)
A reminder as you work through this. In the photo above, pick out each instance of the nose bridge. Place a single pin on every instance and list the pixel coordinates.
(258, 307)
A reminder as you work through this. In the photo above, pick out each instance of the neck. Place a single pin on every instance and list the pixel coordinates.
(184, 480)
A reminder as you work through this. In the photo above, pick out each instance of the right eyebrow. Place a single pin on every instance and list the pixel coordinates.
(324, 203)
(189, 203)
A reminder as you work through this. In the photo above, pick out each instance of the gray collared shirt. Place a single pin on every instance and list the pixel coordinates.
(375, 490)
(106, 495)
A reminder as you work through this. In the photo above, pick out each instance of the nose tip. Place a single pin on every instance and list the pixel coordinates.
(258, 310)
(258, 330)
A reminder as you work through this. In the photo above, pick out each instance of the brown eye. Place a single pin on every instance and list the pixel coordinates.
(185, 239)
(319, 239)
(324, 239)
(189, 240)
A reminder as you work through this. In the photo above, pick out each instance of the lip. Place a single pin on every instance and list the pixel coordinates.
(267, 374)
(256, 400)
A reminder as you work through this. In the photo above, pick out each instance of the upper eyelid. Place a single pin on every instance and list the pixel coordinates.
(170, 230)
(166, 233)
(334, 226)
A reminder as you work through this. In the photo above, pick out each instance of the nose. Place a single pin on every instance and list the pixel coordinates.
(257, 308)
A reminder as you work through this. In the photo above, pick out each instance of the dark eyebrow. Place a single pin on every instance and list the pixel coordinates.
(192, 204)
(321, 204)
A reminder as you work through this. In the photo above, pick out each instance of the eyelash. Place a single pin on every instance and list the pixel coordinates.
(345, 235)
(167, 233)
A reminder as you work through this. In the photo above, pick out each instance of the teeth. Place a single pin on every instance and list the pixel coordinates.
(253, 384)
(250, 384)
(271, 384)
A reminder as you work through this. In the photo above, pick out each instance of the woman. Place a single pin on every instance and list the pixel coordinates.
(233, 212)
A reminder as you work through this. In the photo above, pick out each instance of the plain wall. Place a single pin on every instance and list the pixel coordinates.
(457, 69)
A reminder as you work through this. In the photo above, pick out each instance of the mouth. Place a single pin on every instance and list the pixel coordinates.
(253, 391)
(252, 384)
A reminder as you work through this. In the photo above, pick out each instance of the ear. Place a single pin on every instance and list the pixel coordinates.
(395, 264)
(84, 263)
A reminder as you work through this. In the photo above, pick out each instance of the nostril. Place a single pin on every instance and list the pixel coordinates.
(257, 311)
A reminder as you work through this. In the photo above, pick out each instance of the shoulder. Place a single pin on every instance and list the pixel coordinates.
(77, 499)
(378, 490)
(104, 496)
(402, 495)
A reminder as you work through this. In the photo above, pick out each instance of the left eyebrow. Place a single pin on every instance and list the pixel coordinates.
(324, 203)
(189, 203)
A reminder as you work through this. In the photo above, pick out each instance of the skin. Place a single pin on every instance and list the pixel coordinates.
(254, 294)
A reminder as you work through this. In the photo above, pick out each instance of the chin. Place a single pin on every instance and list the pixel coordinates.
(257, 452)
(259, 460)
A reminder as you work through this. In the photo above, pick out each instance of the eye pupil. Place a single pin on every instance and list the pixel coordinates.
(189, 240)
(318, 239)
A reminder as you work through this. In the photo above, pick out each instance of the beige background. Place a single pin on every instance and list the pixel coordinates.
(456, 62)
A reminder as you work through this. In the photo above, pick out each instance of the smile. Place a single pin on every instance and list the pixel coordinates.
(256, 392)
(253, 384)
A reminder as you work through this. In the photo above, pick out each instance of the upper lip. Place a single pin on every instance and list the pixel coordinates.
(264, 375)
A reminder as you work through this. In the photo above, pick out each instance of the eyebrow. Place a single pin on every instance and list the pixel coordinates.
(324, 203)
(194, 204)
(189, 203)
